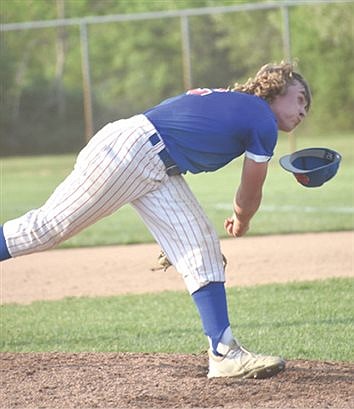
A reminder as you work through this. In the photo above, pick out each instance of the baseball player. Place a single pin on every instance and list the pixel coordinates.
(141, 161)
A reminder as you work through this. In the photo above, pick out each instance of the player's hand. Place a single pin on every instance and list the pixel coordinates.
(234, 227)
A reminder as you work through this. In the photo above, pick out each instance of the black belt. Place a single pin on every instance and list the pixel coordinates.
(171, 167)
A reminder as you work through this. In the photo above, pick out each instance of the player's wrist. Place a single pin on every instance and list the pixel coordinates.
(241, 217)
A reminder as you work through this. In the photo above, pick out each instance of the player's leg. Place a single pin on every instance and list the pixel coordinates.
(189, 240)
(118, 165)
(182, 229)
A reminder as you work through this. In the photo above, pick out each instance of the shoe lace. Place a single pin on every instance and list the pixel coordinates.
(237, 351)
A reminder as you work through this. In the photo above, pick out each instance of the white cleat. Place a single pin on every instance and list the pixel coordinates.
(240, 363)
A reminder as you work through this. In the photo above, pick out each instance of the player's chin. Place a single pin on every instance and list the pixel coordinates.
(288, 127)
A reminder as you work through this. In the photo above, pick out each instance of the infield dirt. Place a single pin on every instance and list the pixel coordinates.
(127, 380)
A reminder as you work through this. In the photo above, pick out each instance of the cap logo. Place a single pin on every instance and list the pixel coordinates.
(302, 178)
(329, 156)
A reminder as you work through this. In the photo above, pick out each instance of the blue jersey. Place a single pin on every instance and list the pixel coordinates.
(204, 129)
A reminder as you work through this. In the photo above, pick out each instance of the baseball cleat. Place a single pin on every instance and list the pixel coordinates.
(240, 363)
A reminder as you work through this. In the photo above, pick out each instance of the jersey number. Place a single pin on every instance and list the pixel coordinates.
(205, 91)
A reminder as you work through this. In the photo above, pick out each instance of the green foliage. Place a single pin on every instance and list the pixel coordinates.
(161, 72)
(300, 320)
(248, 40)
(324, 44)
(137, 64)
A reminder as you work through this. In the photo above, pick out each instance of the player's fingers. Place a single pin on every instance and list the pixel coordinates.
(228, 226)
(227, 222)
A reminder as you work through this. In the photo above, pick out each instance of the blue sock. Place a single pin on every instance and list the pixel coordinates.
(212, 306)
(4, 252)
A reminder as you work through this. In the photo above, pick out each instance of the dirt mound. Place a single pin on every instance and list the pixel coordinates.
(127, 380)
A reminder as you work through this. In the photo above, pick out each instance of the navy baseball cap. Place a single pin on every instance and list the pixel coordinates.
(312, 167)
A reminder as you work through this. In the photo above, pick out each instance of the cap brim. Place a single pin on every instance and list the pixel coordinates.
(285, 162)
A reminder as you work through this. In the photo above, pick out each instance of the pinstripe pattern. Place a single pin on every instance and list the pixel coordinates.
(118, 166)
(182, 229)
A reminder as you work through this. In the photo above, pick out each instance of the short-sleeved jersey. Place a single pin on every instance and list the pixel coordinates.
(204, 129)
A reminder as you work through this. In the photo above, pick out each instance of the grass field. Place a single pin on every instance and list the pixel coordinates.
(304, 320)
(300, 320)
(287, 207)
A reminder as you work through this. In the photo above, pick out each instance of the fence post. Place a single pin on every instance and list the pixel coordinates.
(186, 53)
(286, 33)
(288, 57)
(86, 82)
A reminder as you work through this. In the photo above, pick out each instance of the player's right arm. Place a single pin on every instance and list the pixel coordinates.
(248, 197)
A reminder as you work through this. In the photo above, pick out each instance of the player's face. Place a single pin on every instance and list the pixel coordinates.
(290, 108)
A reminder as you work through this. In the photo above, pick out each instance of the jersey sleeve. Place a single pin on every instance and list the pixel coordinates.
(261, 142)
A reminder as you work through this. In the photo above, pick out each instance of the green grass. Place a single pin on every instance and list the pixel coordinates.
(310, 320)
(287, 206)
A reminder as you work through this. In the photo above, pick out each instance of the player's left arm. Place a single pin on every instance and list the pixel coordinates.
(248, 197)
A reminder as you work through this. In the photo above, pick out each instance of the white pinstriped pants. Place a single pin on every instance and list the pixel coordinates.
(118, 166)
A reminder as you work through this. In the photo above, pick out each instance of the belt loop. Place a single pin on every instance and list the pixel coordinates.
(170, 165)
(155, 139)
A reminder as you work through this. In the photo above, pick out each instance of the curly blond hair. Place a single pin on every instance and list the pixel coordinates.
(272, 80)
